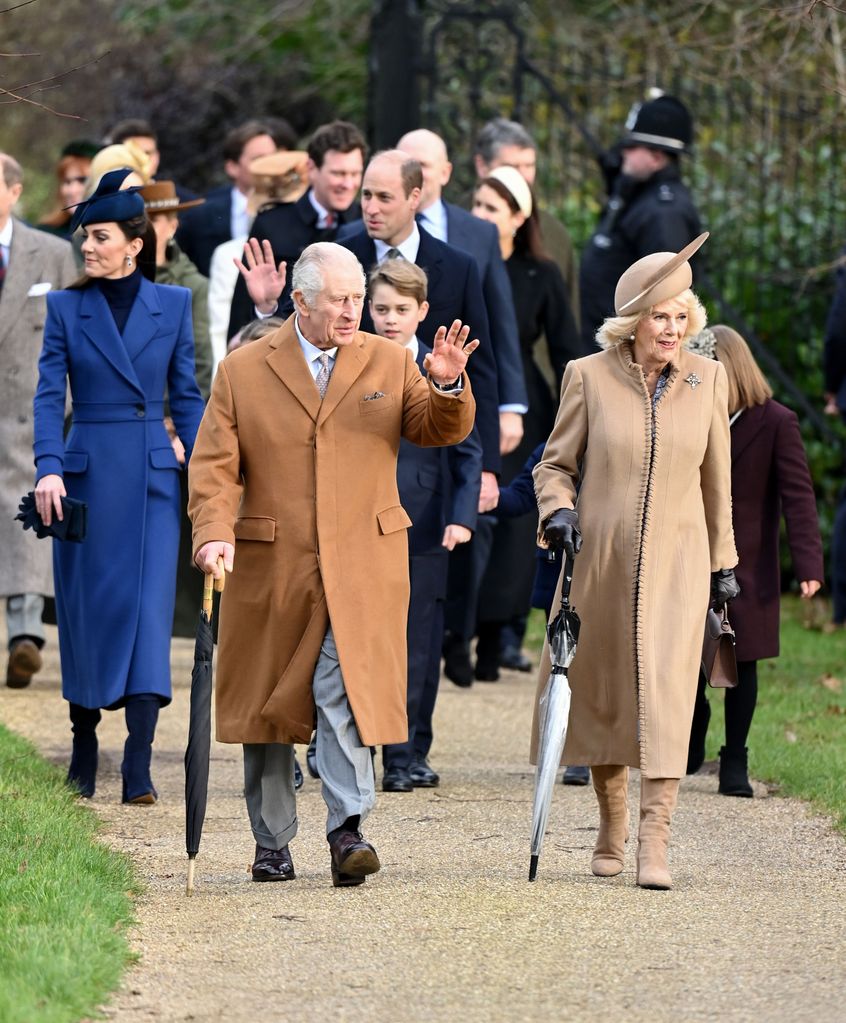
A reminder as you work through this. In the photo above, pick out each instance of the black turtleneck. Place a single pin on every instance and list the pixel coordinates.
(120, 294)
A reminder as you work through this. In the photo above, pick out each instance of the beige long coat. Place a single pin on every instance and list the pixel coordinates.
(38, 263)
(656, 521)
(307, 492)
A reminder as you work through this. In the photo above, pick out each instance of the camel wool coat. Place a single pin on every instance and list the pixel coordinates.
(307, 492)
(655, 514)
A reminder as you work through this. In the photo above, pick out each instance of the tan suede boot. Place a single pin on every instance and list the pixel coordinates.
(610, 783)
(657, 801)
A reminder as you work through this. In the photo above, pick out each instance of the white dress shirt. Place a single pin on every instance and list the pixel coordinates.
(312, 353)
(323, 214)
(407, 249)
(239, 219)
(6, 241)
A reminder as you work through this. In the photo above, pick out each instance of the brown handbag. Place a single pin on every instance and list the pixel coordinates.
(719, 663)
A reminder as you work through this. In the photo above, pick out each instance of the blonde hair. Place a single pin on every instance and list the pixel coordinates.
(621, 328)
(747, 385)
(122, 154)
(405, 277)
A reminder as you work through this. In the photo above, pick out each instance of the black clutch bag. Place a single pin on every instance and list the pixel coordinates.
(72, 526)
(719, 663)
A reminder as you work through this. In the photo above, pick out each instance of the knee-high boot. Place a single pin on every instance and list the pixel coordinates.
(82, 773)
(610, 782)
(142, 714)
(657, 801)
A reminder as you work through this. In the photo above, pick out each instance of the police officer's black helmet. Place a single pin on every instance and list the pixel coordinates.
(663, 123)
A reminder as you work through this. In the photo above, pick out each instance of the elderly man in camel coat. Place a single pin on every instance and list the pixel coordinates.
(293, 484)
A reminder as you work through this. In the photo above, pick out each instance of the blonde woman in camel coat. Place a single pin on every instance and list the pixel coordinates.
(638, 468)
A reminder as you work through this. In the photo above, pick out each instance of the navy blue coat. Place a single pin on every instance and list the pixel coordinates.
(438, 486)
(115, 591)
(480, 240)
(455, 292)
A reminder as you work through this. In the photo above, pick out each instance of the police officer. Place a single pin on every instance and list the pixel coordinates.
(649, 208)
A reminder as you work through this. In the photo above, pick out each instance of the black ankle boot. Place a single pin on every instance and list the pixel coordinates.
(142, 714)
(698, 732)
(734, 777)
(82, 773)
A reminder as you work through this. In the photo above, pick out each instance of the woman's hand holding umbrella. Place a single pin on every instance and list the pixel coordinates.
(562, 531)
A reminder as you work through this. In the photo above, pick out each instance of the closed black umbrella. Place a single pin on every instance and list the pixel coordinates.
(554, 709)
(199, 729)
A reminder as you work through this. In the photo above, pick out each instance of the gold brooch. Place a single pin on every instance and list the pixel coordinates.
(693, 380)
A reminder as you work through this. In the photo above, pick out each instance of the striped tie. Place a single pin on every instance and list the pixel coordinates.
(323, 375)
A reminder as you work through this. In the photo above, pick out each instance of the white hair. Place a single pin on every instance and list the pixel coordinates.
(309, 272)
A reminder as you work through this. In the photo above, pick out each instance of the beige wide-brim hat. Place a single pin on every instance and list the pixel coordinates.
(289, 168)
(655, 278)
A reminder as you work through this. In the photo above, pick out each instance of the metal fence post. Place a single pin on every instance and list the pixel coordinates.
(396, 41)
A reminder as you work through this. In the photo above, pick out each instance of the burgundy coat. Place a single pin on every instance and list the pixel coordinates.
(769, 477)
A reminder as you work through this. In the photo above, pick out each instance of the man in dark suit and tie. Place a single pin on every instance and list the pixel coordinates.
(455, 226)
(224, 213)
(390, 196)
(335, 163)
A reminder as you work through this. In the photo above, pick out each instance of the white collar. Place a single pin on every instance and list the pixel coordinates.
(408, 249)
(322, 212)
(310, 351)
(414, 347)
(6, 233)
(239, 200)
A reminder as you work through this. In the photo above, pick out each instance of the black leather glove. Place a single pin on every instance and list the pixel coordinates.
(724, 587)
(562, 531)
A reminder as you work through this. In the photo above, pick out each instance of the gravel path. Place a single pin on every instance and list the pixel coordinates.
(450, 930)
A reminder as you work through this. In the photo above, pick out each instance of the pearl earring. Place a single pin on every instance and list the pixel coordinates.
(631, 337)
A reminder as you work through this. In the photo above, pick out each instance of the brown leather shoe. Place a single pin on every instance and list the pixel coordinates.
(273, 865)
(352, 859)
(24, 662)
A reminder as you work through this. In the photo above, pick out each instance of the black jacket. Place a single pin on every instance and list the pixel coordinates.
(289, 227)
(641, 217)
(203, 228)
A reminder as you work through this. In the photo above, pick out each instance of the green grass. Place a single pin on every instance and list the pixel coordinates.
(798, 736)
(65, 899)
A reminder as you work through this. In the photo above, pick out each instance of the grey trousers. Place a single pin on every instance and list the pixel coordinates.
(23, 615)
(345, 765)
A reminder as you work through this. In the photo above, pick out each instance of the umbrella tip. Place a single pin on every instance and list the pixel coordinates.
(533, 868)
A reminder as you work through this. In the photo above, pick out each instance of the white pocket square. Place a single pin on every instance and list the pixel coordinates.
(39, 289)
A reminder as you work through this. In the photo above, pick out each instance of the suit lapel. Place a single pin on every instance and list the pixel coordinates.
(99, 327)
(428, 258)
(144, 320)
(349, 363)
(287, 361)
(746, 428)
(21, 274)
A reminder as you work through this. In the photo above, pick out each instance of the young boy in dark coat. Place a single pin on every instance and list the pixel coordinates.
(439, 488)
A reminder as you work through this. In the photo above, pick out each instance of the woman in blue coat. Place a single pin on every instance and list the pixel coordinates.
(120, 341)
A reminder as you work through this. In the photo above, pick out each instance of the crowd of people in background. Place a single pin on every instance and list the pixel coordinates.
(495, 260)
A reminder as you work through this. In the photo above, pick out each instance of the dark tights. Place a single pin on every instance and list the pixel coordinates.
(740, 705)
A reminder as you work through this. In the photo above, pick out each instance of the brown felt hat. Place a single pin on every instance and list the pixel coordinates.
(655, 278)
(161, 197)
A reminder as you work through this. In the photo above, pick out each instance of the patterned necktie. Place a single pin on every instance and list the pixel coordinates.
(322, 379)
(394, 254)
(2, 271)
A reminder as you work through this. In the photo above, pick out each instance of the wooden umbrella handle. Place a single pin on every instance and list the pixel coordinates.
(211, 585)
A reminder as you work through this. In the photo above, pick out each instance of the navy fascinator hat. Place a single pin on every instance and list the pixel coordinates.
(109, 202)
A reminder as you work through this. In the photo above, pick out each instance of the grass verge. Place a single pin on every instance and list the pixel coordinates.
(65, 899)
(798, 736)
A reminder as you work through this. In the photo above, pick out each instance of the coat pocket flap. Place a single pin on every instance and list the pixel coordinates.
(163, 458)
(375, 402)
(75, 461)
(392, 519)
(255, 527)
